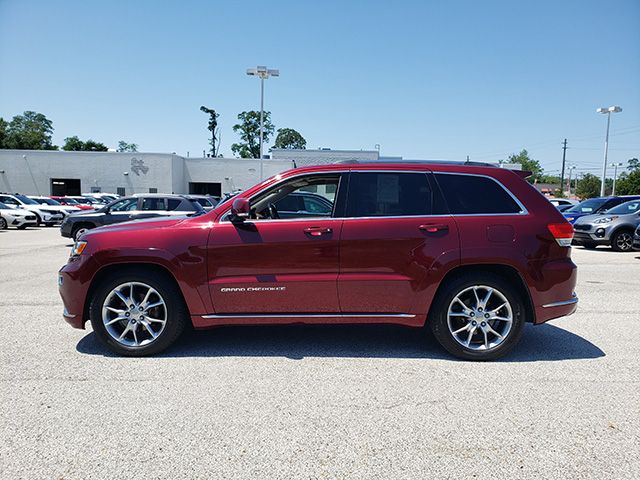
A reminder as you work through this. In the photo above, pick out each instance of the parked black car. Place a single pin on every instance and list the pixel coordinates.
(129, 208)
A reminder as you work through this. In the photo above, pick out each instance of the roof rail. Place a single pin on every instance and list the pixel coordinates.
(436, 162)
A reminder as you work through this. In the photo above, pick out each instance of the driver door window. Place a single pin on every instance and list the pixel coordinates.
(300, 198)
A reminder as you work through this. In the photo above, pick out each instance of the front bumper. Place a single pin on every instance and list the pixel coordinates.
(599, 234)
(74, 280)
(66, 228)
(21, 221)
(636, 241)
(52, 217)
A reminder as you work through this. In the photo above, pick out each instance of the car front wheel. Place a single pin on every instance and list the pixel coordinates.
(478, 316)
(3, 224)
(138, 313)
(622, 241)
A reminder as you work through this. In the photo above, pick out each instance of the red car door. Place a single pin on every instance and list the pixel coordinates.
(268, 266)
(393, 245)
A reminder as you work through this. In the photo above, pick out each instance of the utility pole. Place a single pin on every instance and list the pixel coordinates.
(564, 157)
(615, 176)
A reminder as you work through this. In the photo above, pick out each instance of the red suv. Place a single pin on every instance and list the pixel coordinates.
(471, 250)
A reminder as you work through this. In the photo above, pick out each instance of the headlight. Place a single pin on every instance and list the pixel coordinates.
(605, 220)
(78, 248)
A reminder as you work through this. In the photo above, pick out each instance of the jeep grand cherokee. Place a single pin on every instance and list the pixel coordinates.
(472, 251)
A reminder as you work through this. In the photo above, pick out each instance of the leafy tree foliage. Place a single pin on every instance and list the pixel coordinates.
(629, 183)
(3, 132)
(127, 147)
(29, 131)
(74, 144)
(213, 128)
(528, 164)
(633, 164)
(289, 138)
(249, 131)
(588, 186)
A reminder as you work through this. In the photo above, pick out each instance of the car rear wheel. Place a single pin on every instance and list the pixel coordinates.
(622, 241)
(138, 314)
(478, 316)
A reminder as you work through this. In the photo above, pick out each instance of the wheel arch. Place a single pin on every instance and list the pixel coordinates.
(506, 271)
(107, 270)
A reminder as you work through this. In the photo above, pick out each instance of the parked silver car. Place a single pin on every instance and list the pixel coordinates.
(615, 227)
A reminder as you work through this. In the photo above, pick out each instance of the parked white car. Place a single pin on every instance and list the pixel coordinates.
(44, 215)
(55, 205)
(16, 217)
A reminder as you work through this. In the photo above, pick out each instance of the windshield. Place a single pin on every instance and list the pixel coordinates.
(48, 201)
(70, 201)
(26, 200)
(625, 208)
(588, 206)
(89, 200)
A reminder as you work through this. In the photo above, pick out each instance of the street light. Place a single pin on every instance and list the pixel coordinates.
(615, 176)
(607, 112)
(571, 169)
(262, 73)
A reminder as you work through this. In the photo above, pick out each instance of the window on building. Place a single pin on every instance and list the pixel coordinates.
(153, 190)
(475, 195)
(389, 194)
(121, 191)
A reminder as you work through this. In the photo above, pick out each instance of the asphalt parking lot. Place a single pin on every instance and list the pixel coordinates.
(317, 402)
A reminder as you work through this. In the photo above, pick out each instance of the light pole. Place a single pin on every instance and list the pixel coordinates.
(571, 169)
(615, 176)
(263, 73)
(608, 112)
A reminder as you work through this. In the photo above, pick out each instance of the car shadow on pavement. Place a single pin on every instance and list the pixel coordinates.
(539, 343)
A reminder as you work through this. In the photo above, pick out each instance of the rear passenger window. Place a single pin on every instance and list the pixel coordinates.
(475, 195)
(389, 194)
(153, 204)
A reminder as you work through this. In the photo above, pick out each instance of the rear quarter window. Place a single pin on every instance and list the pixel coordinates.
(475, 195)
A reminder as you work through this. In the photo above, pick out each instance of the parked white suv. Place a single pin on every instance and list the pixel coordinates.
(16, 217)
(52, 204)
(44, 215)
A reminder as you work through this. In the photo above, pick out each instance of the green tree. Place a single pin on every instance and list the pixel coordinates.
(629, 183)
(633, 164)
(528, 164)
(3, 132)
(29, 131)
(249, 131)
(213, 128)
(74, 144)
(127, 147)
(588, 186)
(289, 138)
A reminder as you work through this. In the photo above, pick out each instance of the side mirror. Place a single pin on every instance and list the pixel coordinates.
(240, 210)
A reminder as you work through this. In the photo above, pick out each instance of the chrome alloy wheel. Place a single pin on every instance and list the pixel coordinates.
(480, 317)
(624, 241)
(134, 314)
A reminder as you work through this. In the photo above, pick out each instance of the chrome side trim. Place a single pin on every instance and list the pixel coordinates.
(312, 315)
(574, 299)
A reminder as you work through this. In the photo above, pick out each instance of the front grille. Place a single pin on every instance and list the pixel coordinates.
(585, 228)
(30, 217)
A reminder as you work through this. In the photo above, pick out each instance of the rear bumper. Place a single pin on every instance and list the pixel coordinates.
(553, 291)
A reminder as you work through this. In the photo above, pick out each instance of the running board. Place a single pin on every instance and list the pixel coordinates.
(231, 316)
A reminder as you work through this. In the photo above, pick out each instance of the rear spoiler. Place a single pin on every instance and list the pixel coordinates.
(522, 173)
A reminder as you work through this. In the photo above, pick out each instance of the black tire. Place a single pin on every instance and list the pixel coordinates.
(38, 220)
(22, 227)
(49, 224)
(438, 315)
(3, 224)
(622, 241)
(79, 230)
(176, 310)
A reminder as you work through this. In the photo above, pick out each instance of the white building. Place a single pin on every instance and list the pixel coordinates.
(45, 172)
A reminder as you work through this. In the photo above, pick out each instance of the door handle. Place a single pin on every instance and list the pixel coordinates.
(317, 231)
(434, 227)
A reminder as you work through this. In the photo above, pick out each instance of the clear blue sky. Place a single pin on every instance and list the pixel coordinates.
(424, 79)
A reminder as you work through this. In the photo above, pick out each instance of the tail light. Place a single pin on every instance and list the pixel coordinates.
(562, 232)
